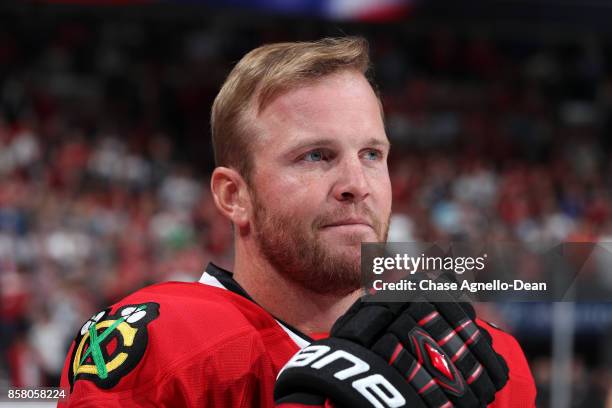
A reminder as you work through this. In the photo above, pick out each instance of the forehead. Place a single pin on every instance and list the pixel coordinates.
(341, 106)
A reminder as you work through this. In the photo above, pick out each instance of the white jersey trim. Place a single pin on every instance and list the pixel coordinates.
(211, 281)
(296, 339)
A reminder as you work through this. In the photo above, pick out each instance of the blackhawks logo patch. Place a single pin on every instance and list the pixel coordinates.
(109, 346)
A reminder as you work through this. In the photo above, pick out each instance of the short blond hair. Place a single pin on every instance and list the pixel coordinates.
(263, 74)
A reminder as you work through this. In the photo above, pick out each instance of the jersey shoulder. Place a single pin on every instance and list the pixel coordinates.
(157, 333)
(209, 310)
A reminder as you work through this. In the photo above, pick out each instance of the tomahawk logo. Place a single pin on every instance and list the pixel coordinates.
(109, 346)
(374, 387)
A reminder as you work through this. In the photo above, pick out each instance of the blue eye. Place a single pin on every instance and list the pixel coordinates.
(372, 155)
(314, 156)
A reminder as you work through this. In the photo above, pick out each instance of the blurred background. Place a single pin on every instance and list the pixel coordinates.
(499, 113)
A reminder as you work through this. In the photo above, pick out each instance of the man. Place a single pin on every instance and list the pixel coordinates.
(302, 174)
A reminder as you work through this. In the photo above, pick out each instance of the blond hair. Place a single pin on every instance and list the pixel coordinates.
(263, 74)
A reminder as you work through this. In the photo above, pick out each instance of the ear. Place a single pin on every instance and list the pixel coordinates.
(231, 195)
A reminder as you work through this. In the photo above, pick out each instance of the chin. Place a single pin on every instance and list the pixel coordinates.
(349, 253)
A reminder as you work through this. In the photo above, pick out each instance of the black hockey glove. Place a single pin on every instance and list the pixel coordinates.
(398, 355)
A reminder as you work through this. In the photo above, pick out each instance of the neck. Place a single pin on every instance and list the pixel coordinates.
(303, 309)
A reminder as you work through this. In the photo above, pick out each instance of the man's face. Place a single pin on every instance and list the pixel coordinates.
(320, 182)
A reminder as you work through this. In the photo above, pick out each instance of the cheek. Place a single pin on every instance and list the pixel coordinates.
(384, 199)
(292, 196)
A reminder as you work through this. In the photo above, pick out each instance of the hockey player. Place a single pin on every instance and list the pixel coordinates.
(301, 155)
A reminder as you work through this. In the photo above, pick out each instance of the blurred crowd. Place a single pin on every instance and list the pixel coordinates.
(105, 157)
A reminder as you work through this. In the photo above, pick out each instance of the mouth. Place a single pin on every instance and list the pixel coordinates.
(349, 223)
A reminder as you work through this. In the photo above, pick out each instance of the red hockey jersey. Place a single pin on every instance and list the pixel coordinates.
(206, 344)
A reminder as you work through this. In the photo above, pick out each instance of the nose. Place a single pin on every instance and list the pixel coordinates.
(352, 184)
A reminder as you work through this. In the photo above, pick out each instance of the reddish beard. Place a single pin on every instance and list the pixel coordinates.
(296, 250)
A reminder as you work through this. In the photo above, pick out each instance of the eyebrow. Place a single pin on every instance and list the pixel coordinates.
(378, 142)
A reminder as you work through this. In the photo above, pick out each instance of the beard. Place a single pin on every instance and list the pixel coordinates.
(296, 250)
